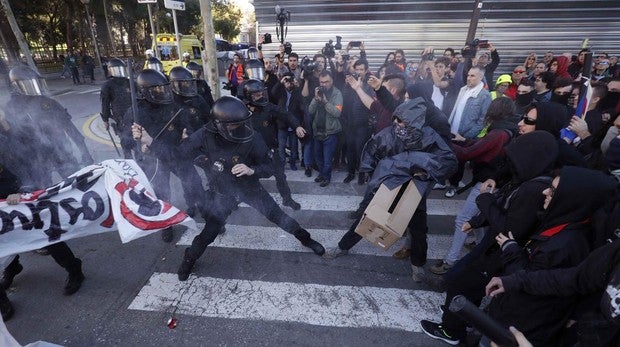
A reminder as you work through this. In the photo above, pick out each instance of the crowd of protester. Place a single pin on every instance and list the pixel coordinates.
(542, 200)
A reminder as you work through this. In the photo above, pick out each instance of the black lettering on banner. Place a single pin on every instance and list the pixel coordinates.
(55, 229)
(85, 209)
(7, 221)
(128, 170)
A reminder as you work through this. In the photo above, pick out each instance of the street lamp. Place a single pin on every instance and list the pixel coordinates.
(92, 33)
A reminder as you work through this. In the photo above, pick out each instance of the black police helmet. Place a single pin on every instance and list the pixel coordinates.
(153, 87)
(117, 68)
(252, 53)
(255, 93)
(194, 68)
(231, 119)
(154, 64)
(26, 81)
(255, 68)
(182, 81)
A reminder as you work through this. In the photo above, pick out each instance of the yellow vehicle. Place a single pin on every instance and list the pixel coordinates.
(167, 48)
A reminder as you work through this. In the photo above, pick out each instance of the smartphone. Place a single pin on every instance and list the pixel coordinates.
(483, 43)
(355, 43)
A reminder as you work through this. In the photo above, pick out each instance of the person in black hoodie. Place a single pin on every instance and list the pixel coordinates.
(513, 207)
(561, 240)
(548, 116)
(597, 277)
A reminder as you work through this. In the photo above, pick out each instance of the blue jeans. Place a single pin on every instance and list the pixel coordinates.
(289, 136)
(308, 153)
(324, 154)
(469, 210)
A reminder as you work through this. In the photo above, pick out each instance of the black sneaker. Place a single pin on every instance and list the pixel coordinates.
(324, 183)
(308, 172)
(74, 282)
(9, 274)
(436, 331)
(291, 203)
(319, 179)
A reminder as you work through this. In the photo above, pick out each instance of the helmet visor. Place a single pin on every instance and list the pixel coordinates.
(155, 66)
(117, 71)
(160, 94)
(236, 131)
(185, 87)
(33, 86)
(255, 73)
(259, 98)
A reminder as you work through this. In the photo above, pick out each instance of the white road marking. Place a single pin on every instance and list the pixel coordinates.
(276, 239)
(314, 202)
(315, 304)
(89, 91)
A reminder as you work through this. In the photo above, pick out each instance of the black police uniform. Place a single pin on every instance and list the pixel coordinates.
(161, 158)
(217, 153)
(44, 127)
(265, 121)
(115, 100)
(205, 91)
(196, 107)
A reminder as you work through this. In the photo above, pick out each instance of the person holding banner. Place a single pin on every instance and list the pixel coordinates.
(234, 158)
(166, 122)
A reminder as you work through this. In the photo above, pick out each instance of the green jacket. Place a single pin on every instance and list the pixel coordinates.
(329, 111)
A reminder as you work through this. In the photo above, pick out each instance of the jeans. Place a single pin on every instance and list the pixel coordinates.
(469, 210)
(355, 138)
(289, 136)
(324, 154)
(308, 151)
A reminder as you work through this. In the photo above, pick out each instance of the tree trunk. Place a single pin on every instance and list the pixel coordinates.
(68, 25)
(21, 40)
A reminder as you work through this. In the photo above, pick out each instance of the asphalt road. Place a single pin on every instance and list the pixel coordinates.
(256, 285)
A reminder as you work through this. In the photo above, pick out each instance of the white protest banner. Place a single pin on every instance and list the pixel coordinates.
(114, 194)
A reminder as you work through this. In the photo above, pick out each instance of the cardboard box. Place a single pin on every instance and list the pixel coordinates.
(386, 217)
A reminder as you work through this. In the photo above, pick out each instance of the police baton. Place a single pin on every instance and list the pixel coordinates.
(134, 105)
(113, 142)
(167, 124)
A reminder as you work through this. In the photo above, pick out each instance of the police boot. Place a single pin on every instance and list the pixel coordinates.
(288, 201)
(166, 235)
(5, 306)
(304, 237)
(186, 266)
(75, 278)
(10, 272)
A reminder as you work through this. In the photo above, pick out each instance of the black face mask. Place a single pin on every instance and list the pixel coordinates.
(560, 99)
(525, 99)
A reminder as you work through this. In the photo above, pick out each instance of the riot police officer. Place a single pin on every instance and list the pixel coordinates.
(154, 64)
(43, 128)
(265, 118)
(203, 88)
(186, 96)
(115, 100)
(158, 114)
(234, 158)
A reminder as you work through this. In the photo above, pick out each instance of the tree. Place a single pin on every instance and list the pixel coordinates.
(226, 19)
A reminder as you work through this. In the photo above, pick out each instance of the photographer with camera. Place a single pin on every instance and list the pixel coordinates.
(325, 107)
(288, 97)
(356, 118)
(310, 74)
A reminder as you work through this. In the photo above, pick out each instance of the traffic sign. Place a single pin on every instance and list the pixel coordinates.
(147, 1)
(175, 4)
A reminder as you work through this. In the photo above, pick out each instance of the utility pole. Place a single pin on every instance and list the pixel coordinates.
(107, 23)
(209, 58)
(473, 24)
(21, 40)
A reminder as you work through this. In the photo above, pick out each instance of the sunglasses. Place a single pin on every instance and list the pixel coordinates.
(527, 120)
(518, 71)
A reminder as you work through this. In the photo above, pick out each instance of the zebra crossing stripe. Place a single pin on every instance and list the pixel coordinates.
(315, 304)
(314, 202)
(276, 239)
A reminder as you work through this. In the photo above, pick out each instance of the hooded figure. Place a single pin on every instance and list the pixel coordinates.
(399, 151)
(435, 118)
(551, 118)
(561, 240)
(562, 67)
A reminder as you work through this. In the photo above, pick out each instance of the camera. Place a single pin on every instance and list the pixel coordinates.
(483, 43)
(354, 75)
(329, 50)
(321, 91)
(428, 56)
(470, 49)
(307, 65)
(288, 48)
(267, 38)
(355, 43)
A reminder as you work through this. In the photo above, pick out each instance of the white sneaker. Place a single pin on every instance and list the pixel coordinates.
(461, 184)
(450, 192)
(417, 273)
(439, 186)
(333, 253)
